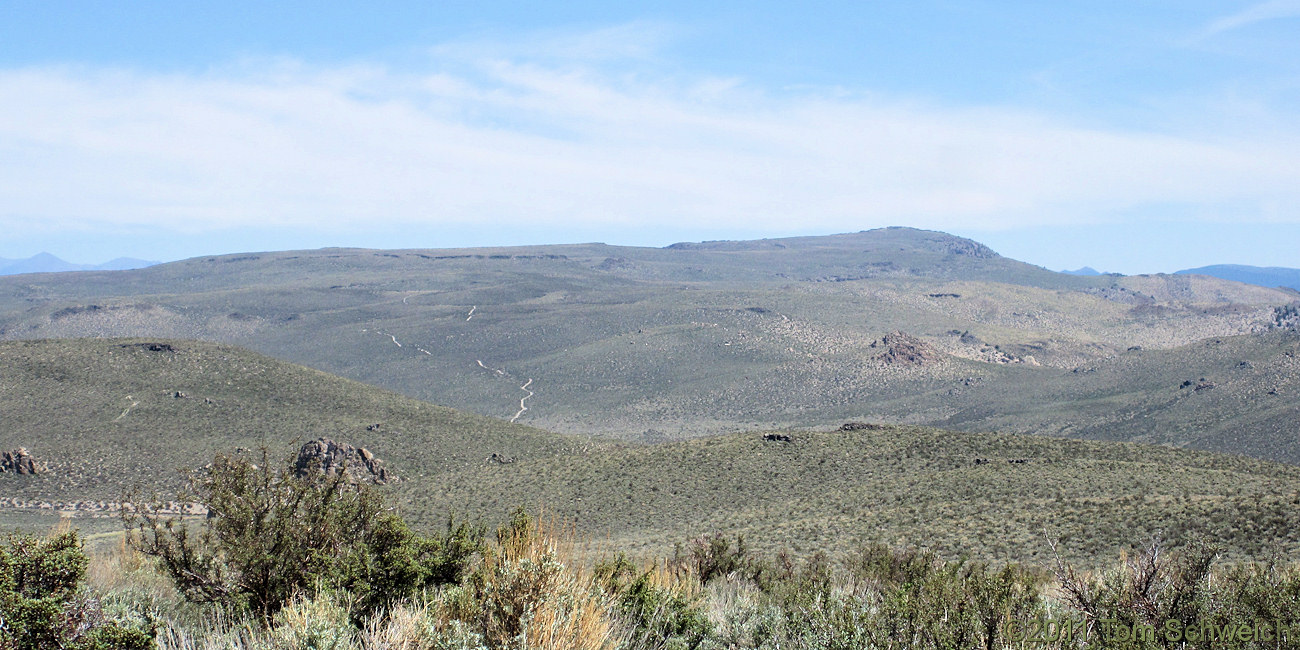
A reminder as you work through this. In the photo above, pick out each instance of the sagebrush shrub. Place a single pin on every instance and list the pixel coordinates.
(41, 606)
(272, 534)
(529, 593)
(657, 612)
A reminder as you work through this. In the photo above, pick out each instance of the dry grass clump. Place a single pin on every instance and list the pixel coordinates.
(532, 590)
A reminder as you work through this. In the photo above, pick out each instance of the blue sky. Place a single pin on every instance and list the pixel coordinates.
(1135, 136)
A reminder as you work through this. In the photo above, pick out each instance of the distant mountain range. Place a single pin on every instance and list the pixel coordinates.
(1265, 276)
(47, 263)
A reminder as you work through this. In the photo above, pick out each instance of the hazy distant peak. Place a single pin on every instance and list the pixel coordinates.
(1086, 270)
(38, 263)
(48, 263)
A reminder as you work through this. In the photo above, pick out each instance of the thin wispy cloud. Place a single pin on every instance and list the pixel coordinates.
(1264, 11)
(522, 139)
(640, 40)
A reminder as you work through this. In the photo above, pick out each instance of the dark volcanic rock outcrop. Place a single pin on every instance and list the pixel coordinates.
(332, 458)
(861, 426)
(901, 348)
(20, 461)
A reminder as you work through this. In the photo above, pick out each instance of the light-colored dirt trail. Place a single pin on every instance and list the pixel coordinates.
(383, 333)
(522, 407)
(496, 370)
(134, 404)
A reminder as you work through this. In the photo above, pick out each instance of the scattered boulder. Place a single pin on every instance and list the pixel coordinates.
(334, 458)
(776, 437)
(20, 461)
(500, 459)
(901, 348)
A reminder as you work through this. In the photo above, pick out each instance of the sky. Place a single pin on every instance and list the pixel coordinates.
(1136, 136)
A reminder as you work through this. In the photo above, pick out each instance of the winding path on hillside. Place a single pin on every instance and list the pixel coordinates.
(523, 401)
(383, 333)
(522, 407)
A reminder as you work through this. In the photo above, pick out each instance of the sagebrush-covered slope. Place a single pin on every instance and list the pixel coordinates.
(109, 415)
(692, 339)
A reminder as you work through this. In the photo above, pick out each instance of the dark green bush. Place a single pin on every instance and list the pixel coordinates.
(1180, 602)
(395, 563)
(717, 556)
(271, 534)
(658, 616)
(906, 599)
(40, 603)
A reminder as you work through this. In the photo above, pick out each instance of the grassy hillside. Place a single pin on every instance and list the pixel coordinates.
(915, 486)
(109, 414)
(105, 415)
(688, 340)
(1232, 393)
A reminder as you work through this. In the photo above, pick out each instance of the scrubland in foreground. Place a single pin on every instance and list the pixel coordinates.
(532, 589)
(306, 561)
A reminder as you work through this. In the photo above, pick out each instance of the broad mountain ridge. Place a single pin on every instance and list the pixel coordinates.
(1264, 276)
(893, 325)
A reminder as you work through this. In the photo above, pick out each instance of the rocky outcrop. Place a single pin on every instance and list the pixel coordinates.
(615, 264)
(20, 461)
(332, 458)
(966, 247)
(861, 426)
(901, 348)
(1287, 316)
(149, 347)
